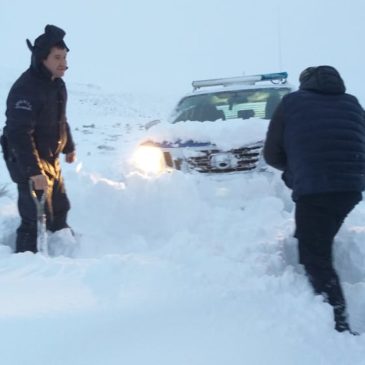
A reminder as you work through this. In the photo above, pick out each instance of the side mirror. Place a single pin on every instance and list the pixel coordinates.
(152, 123)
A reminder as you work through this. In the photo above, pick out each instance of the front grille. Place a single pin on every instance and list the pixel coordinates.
(241, 159)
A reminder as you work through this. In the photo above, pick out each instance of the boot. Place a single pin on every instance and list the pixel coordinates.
(341, 321)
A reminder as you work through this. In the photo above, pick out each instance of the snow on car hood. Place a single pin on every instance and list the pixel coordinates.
(225, 134)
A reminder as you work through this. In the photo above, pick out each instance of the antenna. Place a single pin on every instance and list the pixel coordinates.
(280, 60)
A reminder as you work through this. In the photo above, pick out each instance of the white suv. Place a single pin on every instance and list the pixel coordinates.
(233, 108)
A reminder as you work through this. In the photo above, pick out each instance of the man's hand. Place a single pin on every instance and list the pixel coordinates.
(70, 157)
(40, 182)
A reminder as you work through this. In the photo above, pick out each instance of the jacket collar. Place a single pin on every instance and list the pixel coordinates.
(41, 72)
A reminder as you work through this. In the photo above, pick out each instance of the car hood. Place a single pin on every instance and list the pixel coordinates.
(225, 135)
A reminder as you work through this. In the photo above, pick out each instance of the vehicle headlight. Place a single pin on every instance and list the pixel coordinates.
(149, 159)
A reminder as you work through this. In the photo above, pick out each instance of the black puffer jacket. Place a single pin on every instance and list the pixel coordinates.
(317, 137)
(36, 130)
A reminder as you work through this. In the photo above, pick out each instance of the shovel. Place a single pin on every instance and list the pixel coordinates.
(42, 243)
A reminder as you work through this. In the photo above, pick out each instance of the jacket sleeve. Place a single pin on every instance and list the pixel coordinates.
(70, 145)
(274, 153)
(20, 124)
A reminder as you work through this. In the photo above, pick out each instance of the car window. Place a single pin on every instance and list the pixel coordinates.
(242, 104)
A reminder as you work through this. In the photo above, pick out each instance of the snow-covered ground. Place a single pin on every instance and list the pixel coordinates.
(176, 269)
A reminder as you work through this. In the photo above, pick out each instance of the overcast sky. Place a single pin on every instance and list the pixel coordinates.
(163, 45)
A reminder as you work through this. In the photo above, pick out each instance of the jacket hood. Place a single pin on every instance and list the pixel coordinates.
(322, 79)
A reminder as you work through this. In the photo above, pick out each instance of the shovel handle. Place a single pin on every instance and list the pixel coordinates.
(42, 244)
(39, 201)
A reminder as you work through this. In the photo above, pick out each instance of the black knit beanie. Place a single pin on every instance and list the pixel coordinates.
(307, 74)
(52, 36)
(323, 79)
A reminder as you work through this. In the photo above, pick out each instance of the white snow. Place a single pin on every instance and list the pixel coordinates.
(225, 134)
(174, 269)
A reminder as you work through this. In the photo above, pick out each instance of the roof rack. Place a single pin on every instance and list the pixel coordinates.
(250, 80)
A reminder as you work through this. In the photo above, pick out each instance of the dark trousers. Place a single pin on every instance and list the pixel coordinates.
(318, 218)
(56, 208)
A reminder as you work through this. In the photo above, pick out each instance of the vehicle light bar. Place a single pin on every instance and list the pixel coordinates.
(252, 79)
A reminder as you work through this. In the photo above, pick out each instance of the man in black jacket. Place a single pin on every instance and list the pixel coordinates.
(36, 132)
(317, 138)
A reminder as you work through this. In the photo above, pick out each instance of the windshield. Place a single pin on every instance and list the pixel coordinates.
(243, 104)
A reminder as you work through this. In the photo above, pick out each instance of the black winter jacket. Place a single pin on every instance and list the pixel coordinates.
(317, 138)
(36, 130)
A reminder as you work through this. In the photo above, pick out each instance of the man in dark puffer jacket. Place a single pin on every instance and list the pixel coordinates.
(317, 138)
(36, 132)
